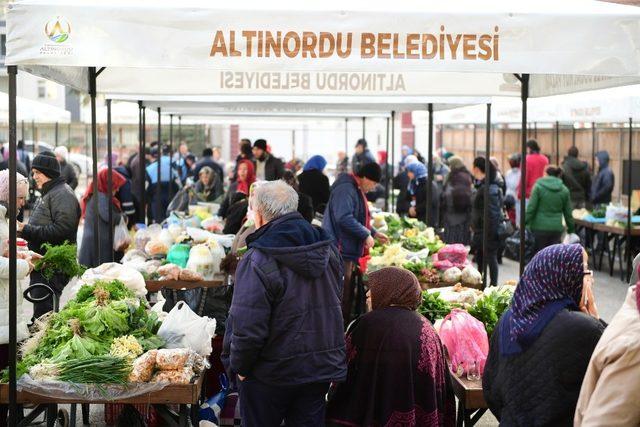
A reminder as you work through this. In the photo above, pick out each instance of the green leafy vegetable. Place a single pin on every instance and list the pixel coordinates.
(95, 370)
(416, 267)
(59, 259)
(490, 308)
(433, 307)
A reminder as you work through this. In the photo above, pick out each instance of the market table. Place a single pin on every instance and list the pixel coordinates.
(618, 236)
(471, 403)
(157, 285)
(187, 396)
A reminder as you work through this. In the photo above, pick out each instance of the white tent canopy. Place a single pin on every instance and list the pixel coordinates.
(296, 106)
(30, 110)
(318, 49)
(603, 106)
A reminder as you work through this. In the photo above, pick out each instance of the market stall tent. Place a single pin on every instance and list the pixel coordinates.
(283, 47)
(612, 105)
(30, 110)
(324, 48)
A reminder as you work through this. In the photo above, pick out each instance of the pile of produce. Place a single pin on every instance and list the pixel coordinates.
(487, 308)
(61, 259)
(193, 254)
(104, 319)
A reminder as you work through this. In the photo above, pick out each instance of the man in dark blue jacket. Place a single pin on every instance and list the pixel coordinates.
(345, 217)
(284, 338)
(604, 181)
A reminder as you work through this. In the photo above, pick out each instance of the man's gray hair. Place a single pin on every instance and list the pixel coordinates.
(275, 199)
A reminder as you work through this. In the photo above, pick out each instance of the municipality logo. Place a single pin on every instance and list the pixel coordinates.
(58, 30)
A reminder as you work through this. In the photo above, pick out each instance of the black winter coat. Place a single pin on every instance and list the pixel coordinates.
(421, 201)
(577, 179)
(495, 216)
(315, 184)
(540, 386)
(236, 213)
(273, 168)
(55, 217)
(401, 182)
(69, 175)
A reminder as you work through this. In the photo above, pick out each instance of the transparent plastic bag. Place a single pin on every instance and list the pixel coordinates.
(90, 392)
(121, 237)
(466, 341)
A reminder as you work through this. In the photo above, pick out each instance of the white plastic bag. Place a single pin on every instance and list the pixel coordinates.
(182, 328)
(131, 277)
(121, 237)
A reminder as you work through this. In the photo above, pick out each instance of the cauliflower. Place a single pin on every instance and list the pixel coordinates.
(127, 347)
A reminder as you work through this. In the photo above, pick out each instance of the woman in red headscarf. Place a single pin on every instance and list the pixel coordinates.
(106, 200)
(246, 176)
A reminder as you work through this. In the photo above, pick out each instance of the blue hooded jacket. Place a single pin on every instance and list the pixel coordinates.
(285, 325)
(344, 217)
(604, 181)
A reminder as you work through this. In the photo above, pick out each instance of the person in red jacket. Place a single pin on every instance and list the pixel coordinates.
(536, 165)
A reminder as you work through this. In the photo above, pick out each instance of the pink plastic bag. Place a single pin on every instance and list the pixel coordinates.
(451, 256)
(466, 341)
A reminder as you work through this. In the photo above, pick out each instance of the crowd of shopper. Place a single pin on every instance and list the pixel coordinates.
(301, 284)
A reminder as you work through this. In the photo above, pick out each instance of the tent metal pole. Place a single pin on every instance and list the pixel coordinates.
(94, 158)
(393, 154)
(389, 179)
(364, 124)
(141, 158)
(170, 153)
(535, 130)
(475, 146)
(110, 177)
(485, 213)
(429, 167)
(180, 129)
(593, 145)
(524, 96)
(69, 134)
(621, 158)
(56, 134)
(33, 136)
(573, 135)
(159, 176)
(557, 131)
(346, 137)
(629, 213)
(22, 135)
(144, 162)
(13, 282)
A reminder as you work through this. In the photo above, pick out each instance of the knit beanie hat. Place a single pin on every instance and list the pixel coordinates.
(46, 163)
(371, 171)
(261, 144)
(22, 186)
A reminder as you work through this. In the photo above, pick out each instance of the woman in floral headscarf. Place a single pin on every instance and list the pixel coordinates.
(397, 374)
(541, 347)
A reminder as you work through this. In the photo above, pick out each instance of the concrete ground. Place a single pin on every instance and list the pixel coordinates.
(610, 293)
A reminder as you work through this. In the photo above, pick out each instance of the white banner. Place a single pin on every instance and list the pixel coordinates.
(565, 37)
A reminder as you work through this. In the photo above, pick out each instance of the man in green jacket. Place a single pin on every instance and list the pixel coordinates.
(577, 178)
(549, 203)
